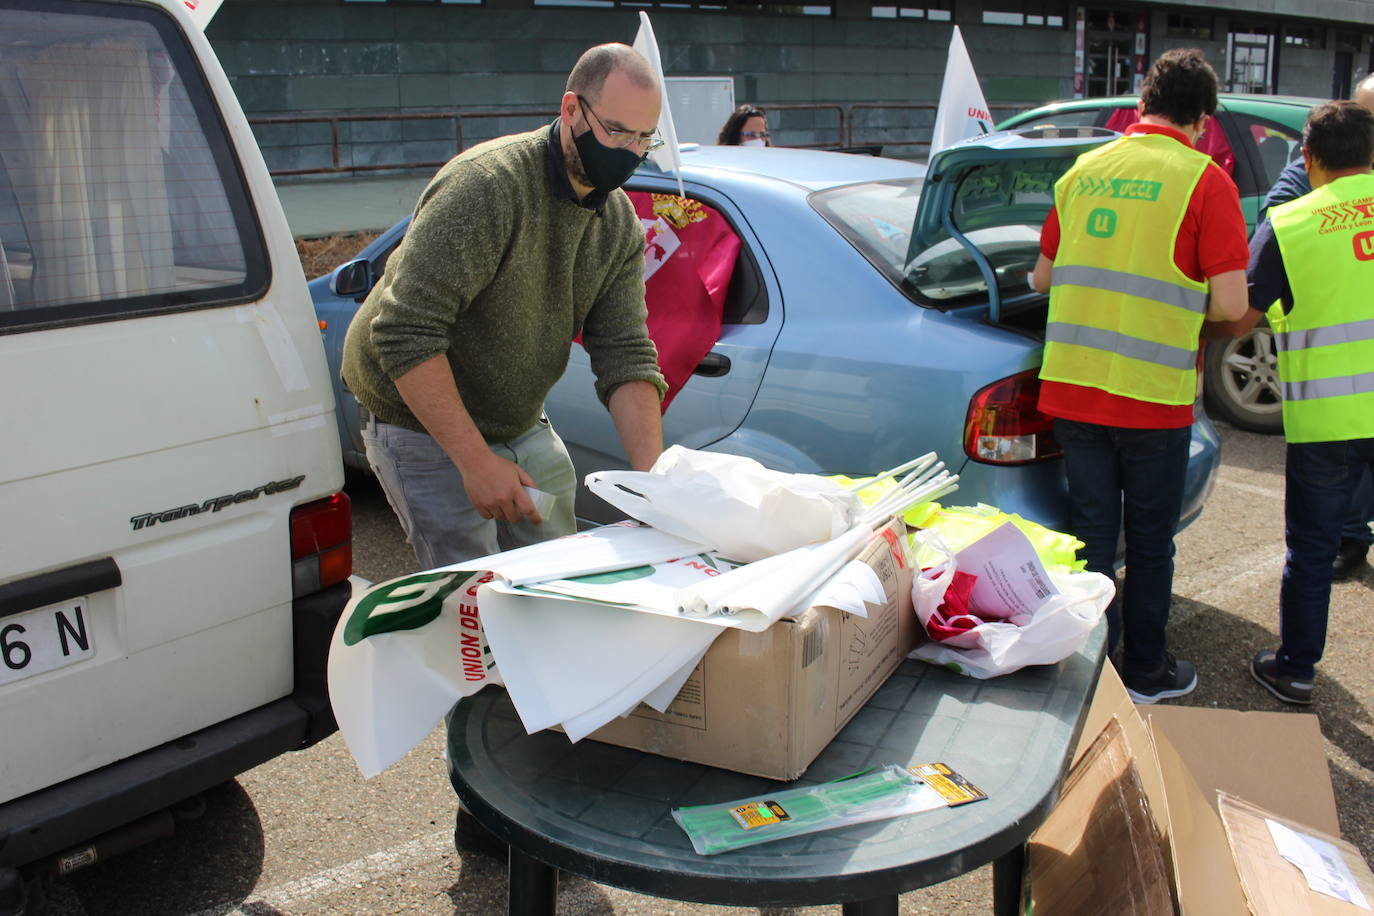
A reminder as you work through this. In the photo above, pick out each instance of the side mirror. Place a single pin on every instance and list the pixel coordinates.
(353, 279)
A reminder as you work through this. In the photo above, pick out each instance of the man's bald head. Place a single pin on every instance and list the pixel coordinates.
(589, 73)
(1364, 92)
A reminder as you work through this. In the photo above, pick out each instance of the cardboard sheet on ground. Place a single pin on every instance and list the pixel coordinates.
(582, 664)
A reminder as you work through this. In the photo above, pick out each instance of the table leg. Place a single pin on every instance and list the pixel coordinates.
(533, 886)
(1008, 870)
(883, 906)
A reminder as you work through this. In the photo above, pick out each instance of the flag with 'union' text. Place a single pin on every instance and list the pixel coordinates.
(963, 111)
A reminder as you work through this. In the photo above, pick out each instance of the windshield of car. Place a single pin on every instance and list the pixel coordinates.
(999, 208)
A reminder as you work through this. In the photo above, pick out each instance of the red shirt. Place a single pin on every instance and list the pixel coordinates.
(1211, 241)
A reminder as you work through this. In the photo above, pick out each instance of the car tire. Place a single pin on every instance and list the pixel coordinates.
(1241, 382)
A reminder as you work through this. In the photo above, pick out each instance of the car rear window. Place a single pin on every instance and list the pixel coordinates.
(119, 192)
(876, 217)
(997, 208)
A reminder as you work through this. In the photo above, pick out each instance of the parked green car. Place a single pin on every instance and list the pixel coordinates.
(1253, 137)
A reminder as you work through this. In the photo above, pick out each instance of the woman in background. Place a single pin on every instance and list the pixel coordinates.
(747, 126)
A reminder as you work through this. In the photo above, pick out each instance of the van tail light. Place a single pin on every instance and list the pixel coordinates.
(321, 544)
(1004, 426)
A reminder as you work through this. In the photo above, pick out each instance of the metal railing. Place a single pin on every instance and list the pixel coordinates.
(847, 132)
(1007, 109)
(457, 117)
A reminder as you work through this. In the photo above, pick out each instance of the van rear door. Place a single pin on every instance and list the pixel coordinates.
(167, 401)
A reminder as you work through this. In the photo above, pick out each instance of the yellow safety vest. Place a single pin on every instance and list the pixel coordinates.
(1326, 341)
(1123, 317)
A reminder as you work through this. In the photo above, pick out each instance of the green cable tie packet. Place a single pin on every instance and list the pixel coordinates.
(887, 792)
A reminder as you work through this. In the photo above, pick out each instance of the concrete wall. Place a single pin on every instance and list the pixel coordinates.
(323, 57)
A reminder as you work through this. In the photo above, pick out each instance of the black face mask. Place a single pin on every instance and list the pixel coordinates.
(607, 167)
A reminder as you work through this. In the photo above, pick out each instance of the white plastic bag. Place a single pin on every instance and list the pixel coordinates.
(1056, 629)
(732, 504)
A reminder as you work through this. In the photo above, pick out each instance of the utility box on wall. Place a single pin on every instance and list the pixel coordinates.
(700, 106)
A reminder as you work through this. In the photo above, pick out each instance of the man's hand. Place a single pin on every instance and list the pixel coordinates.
(496, 488)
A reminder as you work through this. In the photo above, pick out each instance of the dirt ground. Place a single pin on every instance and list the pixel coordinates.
(320, 256)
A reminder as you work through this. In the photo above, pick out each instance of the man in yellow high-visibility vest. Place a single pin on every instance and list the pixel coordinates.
(1145, 241)
(1314, 256)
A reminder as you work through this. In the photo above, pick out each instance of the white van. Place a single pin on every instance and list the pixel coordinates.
(174, 548)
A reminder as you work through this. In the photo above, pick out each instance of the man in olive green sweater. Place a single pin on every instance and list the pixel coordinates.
(516, 245)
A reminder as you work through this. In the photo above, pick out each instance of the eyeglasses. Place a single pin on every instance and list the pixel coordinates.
(623, 139)
(755, 134)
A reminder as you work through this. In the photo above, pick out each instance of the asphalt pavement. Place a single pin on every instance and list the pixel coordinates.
(304, 834)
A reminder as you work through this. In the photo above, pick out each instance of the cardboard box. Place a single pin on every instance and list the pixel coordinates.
(804, 677)
(1183, 758)
(1274, 885)
(1093, 854)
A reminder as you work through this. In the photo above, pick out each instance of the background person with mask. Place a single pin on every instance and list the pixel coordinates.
(747, 126)
(516, 245)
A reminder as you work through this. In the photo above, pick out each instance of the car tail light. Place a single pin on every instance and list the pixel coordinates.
(1005, 427)
(321, 544)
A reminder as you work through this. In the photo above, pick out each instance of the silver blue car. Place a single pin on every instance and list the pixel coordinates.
(879, 309)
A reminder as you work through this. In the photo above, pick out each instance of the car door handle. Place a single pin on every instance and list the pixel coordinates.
(712, 365)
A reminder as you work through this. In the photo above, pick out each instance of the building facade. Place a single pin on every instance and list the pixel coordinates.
(342, 86)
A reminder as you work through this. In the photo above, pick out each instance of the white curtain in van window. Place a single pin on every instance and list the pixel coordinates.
(104, 229)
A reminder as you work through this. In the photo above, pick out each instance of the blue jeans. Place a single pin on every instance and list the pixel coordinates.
(1361, 513)
(426, 492)
(1320, 479)
(1119, 475)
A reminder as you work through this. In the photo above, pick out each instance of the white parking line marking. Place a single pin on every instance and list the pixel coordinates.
(286, 897)
(1271, 492)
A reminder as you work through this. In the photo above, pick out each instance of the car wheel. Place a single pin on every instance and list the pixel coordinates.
(1241, 382)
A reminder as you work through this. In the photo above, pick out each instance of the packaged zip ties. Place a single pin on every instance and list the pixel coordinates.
(870, 796)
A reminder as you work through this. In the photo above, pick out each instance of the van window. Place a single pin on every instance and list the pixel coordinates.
(119, 191)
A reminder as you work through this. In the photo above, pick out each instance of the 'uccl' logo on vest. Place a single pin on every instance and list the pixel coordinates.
(1364, 246)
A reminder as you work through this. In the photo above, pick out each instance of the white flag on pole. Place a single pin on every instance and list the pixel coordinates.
(202, 11)
(667, 157)
(963, 111)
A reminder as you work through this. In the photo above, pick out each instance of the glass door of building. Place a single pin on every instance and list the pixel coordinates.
(1109, 47)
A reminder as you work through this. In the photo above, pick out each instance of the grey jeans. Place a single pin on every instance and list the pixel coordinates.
(426, 492)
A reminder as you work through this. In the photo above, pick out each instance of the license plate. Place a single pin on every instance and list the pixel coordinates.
(45, 639)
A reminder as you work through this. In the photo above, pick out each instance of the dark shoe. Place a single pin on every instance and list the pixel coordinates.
(1174, 679)
(1350, 559)
(469, 836)
(1264, 668)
